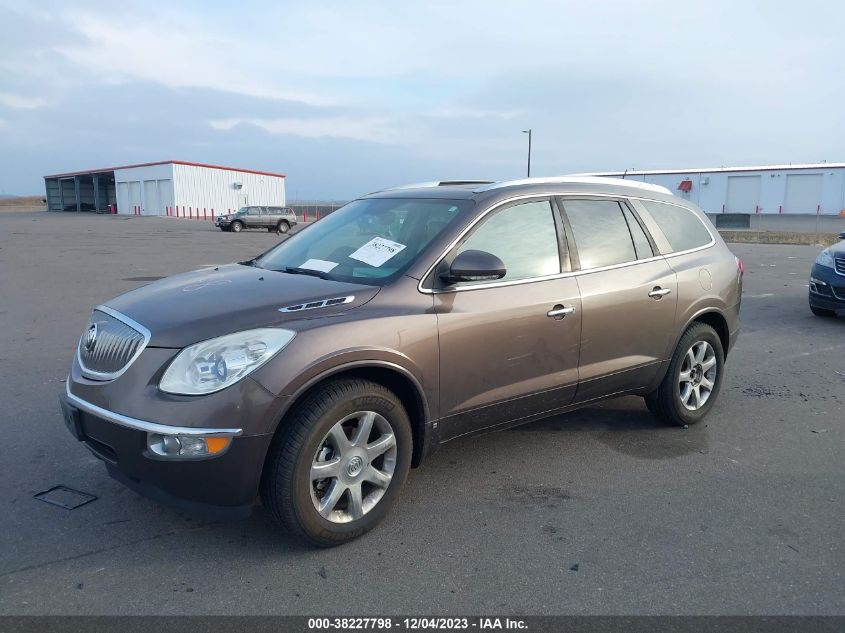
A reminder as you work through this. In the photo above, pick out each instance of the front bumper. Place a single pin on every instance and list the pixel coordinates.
(827, 288)
(223, 486)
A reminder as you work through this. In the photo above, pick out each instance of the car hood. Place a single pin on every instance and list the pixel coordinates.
(191, 307)
(838, 249)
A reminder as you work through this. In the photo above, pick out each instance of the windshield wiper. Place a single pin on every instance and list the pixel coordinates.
(296, 270)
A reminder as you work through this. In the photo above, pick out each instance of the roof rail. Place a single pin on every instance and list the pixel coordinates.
(440, 183)
(580, 180)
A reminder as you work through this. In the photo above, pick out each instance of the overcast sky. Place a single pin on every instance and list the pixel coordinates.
(348, 97)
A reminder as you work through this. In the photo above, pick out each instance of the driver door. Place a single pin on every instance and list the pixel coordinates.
(509, 348)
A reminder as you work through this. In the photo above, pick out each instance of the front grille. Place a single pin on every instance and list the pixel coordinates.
(109, 344)
(839, 265)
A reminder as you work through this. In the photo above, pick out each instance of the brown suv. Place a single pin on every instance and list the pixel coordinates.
(319, 372)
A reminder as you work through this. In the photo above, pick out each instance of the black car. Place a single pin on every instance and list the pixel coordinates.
(278, 219)
(827, 280)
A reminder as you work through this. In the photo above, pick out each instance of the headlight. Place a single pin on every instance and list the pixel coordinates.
(220, 362)
(825, 258)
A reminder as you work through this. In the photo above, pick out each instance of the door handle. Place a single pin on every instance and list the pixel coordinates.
(659, 293)
(558, 312)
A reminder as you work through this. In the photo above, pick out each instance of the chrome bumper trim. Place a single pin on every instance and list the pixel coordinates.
(143, 425)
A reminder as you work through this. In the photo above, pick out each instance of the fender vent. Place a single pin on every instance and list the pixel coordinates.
(323, 303)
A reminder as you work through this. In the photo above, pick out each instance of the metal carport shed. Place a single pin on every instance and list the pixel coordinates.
(173, 187)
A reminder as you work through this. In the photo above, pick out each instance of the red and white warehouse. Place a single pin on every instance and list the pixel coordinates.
(172, 187)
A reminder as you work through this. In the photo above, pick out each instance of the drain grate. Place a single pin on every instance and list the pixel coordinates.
(65, 497)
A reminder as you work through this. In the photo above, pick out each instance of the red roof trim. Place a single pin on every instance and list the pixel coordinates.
(164, 162)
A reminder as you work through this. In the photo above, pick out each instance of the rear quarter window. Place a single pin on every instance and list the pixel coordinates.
(682, 227)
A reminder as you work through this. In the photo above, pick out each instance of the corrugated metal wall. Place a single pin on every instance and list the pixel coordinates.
(767, 191)
(144, 190)
(201, 189)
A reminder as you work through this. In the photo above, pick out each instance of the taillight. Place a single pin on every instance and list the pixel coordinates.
(739, 266)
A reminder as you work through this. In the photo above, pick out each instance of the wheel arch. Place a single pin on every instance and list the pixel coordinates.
(715, 319)
(395, 378)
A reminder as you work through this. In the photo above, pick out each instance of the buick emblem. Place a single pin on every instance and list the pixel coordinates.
(355, 466)
(91, 337)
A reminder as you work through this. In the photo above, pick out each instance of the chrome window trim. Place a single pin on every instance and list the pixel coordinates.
(500, 284)
(106, 376)
(143, 425)
(839, 261)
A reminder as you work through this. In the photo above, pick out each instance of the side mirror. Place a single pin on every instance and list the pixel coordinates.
(474, 266)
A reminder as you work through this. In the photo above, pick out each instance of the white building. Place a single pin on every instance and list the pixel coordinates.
(176, 188)
(812, 188)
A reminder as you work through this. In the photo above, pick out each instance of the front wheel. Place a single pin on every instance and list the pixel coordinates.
(236, 227)
(687, 392)
(338, 462)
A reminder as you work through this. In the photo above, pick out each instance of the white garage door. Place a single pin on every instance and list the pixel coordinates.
(151, 206)
(743, 194)
(803, 193)
(134, 197)
(123, 204)
(165, 195)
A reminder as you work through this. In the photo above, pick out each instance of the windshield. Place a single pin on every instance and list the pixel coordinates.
(367, 241)
(241, 211)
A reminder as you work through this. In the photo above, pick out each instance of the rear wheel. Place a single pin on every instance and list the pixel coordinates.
(336, 466)
(692, 382)
(282, 227)
(822, 312)
(236, 227)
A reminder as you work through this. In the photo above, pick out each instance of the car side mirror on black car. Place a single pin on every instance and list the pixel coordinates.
(474, 266)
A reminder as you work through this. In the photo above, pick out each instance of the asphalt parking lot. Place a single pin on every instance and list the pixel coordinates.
(602, 511)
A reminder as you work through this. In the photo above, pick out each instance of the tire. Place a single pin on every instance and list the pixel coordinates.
(236, 227)
(282, 227)
(822, 312)
(677, 401)
(309, 435)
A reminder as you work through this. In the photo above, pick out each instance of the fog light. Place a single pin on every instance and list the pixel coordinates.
(186, 446)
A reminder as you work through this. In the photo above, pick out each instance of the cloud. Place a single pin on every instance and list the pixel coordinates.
(348, 97)
(373, 129)
(21, 101)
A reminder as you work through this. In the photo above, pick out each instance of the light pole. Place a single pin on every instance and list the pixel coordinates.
(528, 132)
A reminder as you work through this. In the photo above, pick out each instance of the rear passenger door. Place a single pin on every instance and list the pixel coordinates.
(628, 296)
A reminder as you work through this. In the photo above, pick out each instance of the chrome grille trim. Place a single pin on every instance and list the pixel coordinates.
(320, 303)
(839, 265)
(126, 343)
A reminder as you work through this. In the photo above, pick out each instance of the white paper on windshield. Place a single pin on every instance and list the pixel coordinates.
(377, 251)
(319, 264)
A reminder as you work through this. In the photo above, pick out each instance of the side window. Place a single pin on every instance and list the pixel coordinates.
(641, 243)
(523, 236)
(682, 227)
(601, 232)
(252, 211)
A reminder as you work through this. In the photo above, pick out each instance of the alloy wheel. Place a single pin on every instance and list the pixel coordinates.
(698, 375)
(353, 467)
